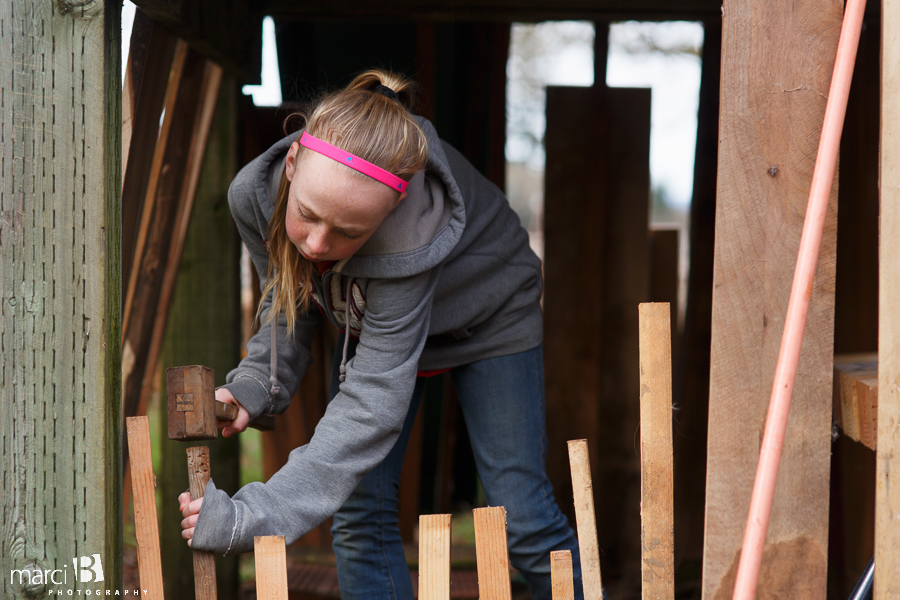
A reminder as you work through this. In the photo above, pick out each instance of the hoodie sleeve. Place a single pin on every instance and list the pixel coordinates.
(249, 382)
(359, 428)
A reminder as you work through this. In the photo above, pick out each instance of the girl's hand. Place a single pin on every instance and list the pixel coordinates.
(230, 428)
(191, 512)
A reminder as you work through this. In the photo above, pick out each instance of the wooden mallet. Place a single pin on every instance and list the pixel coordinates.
(192, 411)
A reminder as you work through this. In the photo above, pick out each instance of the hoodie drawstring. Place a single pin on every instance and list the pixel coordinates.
(346, 330)
(273, 355)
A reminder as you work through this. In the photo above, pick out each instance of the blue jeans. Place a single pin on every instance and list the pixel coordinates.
(502, 401)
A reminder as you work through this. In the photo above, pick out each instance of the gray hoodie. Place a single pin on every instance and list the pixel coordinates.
(448, 278)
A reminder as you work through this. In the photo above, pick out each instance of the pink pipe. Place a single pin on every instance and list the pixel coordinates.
(798, 305)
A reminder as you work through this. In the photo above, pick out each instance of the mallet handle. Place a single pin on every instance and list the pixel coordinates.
(204, 562)
(229, 412)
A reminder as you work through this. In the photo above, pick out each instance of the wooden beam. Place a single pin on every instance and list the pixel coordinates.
(657, 512)
(60, 125)
(848, 369)
(772, 108)
(495, 10)
(887, 496)
(270, 557)
(146, 526)
(434, 557)
(226, 31)
(867, 394)
(492, 553)
(583, 488)
(561, 575)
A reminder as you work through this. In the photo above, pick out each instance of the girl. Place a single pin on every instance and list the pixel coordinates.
(369, 219)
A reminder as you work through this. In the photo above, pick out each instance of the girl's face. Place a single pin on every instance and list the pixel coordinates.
(331, 212)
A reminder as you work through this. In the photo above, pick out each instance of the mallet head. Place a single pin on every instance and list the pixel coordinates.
(191, 403)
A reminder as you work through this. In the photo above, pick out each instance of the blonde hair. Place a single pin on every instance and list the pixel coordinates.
(361, 121)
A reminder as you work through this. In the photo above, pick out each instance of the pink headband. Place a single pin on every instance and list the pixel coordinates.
(354, 162)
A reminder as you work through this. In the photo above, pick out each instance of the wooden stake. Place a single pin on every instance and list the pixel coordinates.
(657, 513)
(492, 553)
(204, 562)
(887, 495)
(434, 557)
(271, 567)
(561, 575)
(586, 520)
(146, 527)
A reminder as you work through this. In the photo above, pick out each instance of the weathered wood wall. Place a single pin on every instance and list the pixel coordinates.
(777, 60)
(59, 305)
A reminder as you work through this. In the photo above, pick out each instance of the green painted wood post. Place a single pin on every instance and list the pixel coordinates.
(60, 367)
(204, 327)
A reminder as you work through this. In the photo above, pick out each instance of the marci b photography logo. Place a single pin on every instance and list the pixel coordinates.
(85, 569)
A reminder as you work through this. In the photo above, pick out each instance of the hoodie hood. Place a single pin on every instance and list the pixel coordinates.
(418, 234)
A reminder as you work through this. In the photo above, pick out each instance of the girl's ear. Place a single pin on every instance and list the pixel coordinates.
(402, 196)
(290, 162)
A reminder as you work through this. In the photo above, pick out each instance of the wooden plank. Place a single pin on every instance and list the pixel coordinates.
(204, 562)
(887, 497)
(848, 368)
(434, 557)
(561, 575)
(583, 488)
(60, 131)
(146, 526)
(657, 511)
(270, 559)
(492, 553)
(776, 70)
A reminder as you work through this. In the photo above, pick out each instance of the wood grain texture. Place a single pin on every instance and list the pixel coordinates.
(492, 553)
(204, 562)
(146, 526)
(60, 423)
(777, 61)
(657, 510)
(847, 369)
(887, 496)
(271, 567)
(434, 557)
(561, 576)
(583, 489)
(191, 403)
(867, 395)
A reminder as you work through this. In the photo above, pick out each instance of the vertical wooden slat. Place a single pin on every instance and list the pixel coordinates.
(867, 393)
(583, 488)
(777, 61)
(492, 553)
(561, 575)
(887, 495)
(271, 567)
(60, 428)
(434, 557)
(146, 526)
(657, 514)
